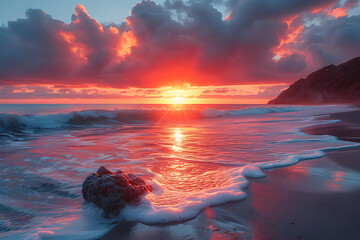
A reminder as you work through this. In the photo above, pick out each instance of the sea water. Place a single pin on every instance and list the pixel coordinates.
(194, 156)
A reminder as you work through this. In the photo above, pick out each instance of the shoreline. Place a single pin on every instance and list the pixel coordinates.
(313, 199)
(348, 129)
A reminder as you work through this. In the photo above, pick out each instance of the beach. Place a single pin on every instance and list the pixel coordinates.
(180, 119)
(313, 199)
(206, 165)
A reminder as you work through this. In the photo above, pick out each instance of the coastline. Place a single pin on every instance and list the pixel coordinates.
(314, 199)
(348, 129)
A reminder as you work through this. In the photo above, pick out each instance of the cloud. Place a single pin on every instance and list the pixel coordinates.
(244, 92)
(32, 48)
(334, 41)
(46, 92)
(270, 91)
(292, 63)
(51, 92)
(221, 90)
(260, 42)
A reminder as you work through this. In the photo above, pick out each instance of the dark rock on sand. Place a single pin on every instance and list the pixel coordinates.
(111, 191)
(329, 85)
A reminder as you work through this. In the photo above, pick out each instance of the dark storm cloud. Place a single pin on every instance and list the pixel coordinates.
(333, 41)
(180, 41)
(292, 63)
(30, 47)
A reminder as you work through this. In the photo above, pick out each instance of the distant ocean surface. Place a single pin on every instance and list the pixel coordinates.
(193, 155)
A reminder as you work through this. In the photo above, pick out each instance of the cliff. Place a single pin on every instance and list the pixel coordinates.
(331, 84)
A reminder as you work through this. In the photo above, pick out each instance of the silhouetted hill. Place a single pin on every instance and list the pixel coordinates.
(331, 84)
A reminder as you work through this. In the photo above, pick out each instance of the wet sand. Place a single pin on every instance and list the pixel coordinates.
(315, 199)
(348, 129)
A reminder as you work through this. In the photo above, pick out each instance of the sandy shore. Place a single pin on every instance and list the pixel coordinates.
(348, 129)
(315, 199)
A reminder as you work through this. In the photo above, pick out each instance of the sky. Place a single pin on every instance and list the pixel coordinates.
(168, 51)
(105, 11)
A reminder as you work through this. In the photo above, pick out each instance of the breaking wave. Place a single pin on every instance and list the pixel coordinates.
(24, 123)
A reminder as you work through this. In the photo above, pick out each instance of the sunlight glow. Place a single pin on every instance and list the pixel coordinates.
(178, 100)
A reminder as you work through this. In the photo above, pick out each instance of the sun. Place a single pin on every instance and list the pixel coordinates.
(178, 100)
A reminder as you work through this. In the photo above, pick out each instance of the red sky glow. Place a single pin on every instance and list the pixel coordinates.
(185, 51)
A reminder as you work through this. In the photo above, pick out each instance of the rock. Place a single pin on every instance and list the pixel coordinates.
(329, 85)
(103, 170)
(111, 191)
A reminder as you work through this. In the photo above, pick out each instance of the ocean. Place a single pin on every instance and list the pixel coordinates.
(194, 156)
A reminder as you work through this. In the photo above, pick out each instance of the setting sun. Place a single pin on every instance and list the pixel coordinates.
(178, 100)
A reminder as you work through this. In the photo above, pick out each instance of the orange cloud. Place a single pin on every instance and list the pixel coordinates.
(126, 43)
(337, 12)
(154, 49)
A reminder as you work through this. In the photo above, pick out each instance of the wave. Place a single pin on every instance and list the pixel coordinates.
(213, 113)
(26, 123)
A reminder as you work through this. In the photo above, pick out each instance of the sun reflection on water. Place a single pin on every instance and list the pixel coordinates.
(178, 174)
(178, 138)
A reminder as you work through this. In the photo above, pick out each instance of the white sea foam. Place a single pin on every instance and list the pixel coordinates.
(146, 213)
